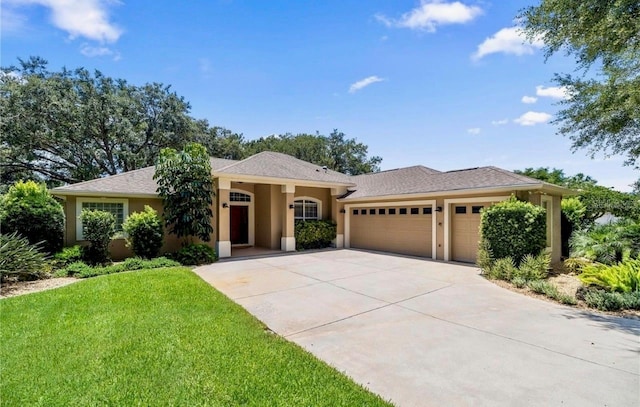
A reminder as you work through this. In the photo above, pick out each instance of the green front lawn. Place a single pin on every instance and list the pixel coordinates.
(154, 337)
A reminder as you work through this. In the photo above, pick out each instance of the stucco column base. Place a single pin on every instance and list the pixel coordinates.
(339, 241)
(288, 244)
(223, 249)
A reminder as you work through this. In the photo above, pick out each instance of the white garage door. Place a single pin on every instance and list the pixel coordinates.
(396, 229)
(465, 231)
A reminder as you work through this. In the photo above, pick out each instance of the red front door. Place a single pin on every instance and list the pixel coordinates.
(239, 224)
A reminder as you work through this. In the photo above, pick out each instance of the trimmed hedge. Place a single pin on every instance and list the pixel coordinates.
(513, 229)
(195, 254)
(314, 234)
(32, 212)
(144, 232)
(98, 228)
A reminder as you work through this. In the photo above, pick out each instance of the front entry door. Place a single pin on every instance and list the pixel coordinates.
(239, 224)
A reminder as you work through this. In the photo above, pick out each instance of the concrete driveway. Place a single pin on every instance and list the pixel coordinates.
(424, 333)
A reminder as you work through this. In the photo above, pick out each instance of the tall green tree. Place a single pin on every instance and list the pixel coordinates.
(185, 185)
(602, 113)
(336, 151)
(74, 125)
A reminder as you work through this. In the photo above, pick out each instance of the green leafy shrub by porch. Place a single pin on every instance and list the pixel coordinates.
(609, 243)
(19, 258)
(195, 254)
(98, 227)
(314, 234)
(622, 277)
(29, 209)
(534, 267)
(144, 232)
(514, 229)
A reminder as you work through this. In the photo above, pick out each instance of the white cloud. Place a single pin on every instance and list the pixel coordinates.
(433, 13)
(529, 99)
(555, 92)
(91, 52)
(509, 40)
(11, 21)
(364, 83)
(500, 122)
(474, 130)
(80, 18)
(532, 118)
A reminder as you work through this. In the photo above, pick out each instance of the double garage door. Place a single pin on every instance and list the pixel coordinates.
(396, 229)
(408, 229)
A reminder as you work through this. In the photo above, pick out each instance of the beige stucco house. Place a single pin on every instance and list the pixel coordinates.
(415, 210)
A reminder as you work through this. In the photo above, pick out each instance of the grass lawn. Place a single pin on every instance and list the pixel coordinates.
(154, 337)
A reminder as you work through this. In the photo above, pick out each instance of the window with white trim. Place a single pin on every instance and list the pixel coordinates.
(239, 197)
(119, 208)
(307, 209)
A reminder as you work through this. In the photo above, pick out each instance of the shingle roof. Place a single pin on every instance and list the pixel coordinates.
(136, 182)
(278, 165)
(401, 181)
(415, 180)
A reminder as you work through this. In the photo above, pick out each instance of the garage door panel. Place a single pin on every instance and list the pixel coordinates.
(404, 234)
(465, 231)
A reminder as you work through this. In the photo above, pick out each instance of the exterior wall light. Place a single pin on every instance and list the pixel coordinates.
(439, 209)
(290, 206)
(225, 205)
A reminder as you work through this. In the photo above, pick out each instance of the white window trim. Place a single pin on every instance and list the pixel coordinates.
(80, 201)
(447, 217)
(252, 214)
(434, 222)
(312, 199)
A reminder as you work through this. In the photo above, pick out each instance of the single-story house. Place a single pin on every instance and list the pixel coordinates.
(416, 210)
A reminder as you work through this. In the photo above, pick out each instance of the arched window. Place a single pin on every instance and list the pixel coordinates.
(307, 208)
(239, 197)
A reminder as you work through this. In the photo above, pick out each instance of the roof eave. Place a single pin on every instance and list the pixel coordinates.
(102, 194)
(545, 188)
(279, 181)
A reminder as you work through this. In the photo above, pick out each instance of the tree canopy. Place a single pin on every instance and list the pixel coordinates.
(598, 200)
(77, 125)
(602, 111)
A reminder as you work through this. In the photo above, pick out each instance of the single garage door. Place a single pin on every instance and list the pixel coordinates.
(396, 229)
(465, 231)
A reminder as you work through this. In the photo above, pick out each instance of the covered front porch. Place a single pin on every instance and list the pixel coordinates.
(258, 218)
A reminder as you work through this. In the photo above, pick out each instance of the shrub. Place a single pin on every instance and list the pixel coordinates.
(609, 243)
(136, 263)
(314, 234)
(99, 227)
(83, 270)
(144, 232)
(67, 256)
(519, 282)
(576, 264)
(514, 229)
(503, 269)
(20, 259)
(607, 301)
(534, 267)
(544, 287)
(485, 259)
(623, 277)
(31, 211)
(195, 254)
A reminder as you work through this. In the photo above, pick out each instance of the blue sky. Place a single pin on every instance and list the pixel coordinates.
(447, 84)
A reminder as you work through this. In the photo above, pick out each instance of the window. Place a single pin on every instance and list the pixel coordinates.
(415, 211)
(403, 211)
(372, 211)
(355, 211)
(307, 209)
(392, 211)
(239, 197)
(476, 209)
(118, 207)
(426, 211)
(363, 212)
(461, 209)
(381, 211)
